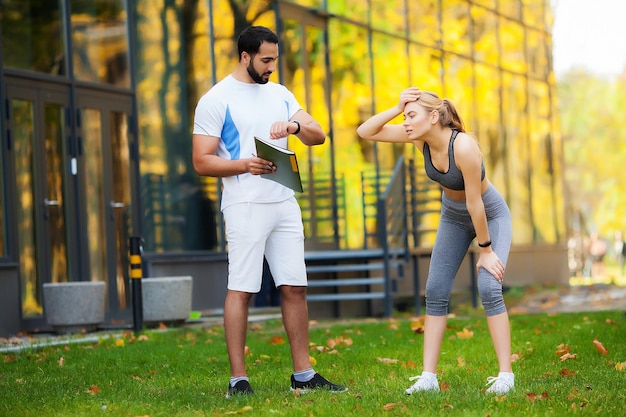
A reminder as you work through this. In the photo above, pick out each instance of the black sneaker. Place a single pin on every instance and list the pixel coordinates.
(241, 388)
(317, 382)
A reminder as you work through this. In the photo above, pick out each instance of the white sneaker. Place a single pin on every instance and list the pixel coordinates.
(501, 384)
(423, 384)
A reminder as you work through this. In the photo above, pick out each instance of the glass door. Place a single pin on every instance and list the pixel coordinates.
(104, 168)
(38, 126)
(73, 174)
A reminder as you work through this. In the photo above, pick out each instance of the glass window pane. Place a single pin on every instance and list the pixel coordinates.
(32, 36)
(23, 139)
(100, 42)
(518, 154)
(96, 215)
(537, 15)
(55, 137)
(391, 76)
(351, 105)
(456, 27)
(424, 22)
(485, 43)
(425, 65)
(457, 86)
(487, 3)
(352, 9)
(487, 124)
(389, 16)
(546, 207)
(304, 73)
(511, 8)
(539, 54)
(512, 45)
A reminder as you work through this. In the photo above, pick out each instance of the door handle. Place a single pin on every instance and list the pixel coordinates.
(117, 204)
(49, 203)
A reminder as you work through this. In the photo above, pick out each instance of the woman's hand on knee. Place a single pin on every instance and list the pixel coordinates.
(492, 264)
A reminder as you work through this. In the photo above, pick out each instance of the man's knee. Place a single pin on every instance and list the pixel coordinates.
(241, 296)
(291, 292)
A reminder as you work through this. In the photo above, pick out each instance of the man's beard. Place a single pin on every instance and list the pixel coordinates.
(256, 77)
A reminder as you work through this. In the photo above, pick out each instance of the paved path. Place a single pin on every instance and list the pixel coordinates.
(550, 300)
(573, 299)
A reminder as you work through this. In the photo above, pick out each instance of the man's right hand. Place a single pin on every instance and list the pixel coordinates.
(258, 166)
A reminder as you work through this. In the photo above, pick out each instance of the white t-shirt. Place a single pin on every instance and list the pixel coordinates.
(236, 112)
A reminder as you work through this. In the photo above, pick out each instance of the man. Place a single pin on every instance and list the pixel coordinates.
(262, 217)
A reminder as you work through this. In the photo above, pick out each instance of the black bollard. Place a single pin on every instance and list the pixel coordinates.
(136, 273)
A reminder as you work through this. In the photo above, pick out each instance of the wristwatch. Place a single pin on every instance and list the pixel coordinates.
(297, 124)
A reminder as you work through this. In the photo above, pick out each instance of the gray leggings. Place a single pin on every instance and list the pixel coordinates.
(454, 235)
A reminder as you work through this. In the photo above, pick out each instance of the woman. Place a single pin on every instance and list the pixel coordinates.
(471, 208)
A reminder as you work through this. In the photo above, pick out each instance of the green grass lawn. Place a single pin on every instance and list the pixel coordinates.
(184, 371)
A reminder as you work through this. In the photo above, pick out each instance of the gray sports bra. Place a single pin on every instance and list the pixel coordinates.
(453, 179)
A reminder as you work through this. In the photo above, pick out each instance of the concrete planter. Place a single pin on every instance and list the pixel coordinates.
(73, 307)
(166, 299)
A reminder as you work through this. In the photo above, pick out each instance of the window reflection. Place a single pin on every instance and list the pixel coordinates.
(94, 184)
(481, 54)
(23, 134)
(100, 42)
(32, 36)
(55, 191)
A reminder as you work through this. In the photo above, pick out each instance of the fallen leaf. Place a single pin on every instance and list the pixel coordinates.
(277, 340)
(534, 397)
(61, 361)
(460, 362)
(568, 356)
(410, 364)
(387, 360)
(566, 372)
(247, 351)
(417, 325)
(93, 390)
(119, 342)
(620, 366)
(389, 406)
(313, 360)
(562, 349)
(465, 334)
(600, 347)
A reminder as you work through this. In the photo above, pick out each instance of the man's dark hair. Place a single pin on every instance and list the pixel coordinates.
(250, 39)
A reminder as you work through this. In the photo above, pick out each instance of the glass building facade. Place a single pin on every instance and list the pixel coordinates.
(98, 108)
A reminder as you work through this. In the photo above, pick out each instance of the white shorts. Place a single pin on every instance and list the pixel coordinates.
(273, 230)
